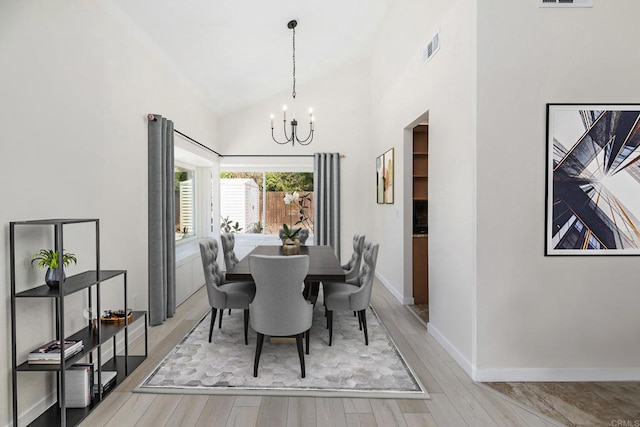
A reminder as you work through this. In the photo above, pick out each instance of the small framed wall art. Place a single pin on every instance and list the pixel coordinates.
(380, 179)
(388, 176)
(593, 179)
(384, 177)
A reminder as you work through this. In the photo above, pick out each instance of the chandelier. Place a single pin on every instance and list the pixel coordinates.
(292, 137)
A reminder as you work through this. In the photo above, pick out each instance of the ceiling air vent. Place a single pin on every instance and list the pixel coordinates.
(565, 3)
(432, 48)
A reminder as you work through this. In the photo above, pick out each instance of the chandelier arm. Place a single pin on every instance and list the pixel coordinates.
(307, 140)
(276, 141)
(284, 128)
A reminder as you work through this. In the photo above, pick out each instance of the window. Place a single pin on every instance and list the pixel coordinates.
(185, 202)
(253, 201)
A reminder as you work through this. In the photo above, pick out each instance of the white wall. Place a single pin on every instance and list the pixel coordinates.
(341, 104)
(547, 318)
(76, 87)
(404, 89)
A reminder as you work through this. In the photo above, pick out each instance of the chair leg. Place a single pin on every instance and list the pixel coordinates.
(330, 323)
(246, 326)
(300, 353)
(363, 315)
(258, 351)
(213, 322)
(306, 290)
(229, 312)
(220, 320)
(359, 320)
(307, 336)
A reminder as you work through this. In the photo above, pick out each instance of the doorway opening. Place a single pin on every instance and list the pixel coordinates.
(420, 214)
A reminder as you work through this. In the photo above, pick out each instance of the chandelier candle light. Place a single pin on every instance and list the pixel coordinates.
(294, 123)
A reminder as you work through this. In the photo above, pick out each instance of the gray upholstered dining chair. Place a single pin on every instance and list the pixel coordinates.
(303, 234)
(352, 267)
(228, 244)
(231, 295)
(228, 241)
(353, 297)
(279, 309)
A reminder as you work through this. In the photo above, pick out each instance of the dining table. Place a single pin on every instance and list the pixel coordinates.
(324, 266)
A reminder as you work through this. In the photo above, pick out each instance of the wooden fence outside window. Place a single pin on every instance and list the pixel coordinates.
(279, 213)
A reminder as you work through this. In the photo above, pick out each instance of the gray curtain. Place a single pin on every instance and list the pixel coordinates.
(326, 207)
(162, 264)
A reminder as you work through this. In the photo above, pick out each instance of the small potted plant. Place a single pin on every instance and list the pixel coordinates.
(290, 241)
(55, 273)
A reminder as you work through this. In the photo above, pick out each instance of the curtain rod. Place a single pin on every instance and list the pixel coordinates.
(197, 143)
(342, 156)
(152, 118)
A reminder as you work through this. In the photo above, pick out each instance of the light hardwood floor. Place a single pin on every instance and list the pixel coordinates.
(455, 399)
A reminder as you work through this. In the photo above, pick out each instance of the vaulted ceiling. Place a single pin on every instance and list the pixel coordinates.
(238, 52)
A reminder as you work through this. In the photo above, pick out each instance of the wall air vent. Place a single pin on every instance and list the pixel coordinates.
(565, 3)
(432, 47)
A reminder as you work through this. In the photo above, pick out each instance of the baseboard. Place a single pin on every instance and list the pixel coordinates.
(35, 410)
(397, 295)
(556, 374)
(464, 363)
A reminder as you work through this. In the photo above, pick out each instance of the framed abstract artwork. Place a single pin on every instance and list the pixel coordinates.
(380, 179)
(388, 176)
(593, 179)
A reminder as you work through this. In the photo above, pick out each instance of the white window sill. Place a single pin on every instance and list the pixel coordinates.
(187, 250)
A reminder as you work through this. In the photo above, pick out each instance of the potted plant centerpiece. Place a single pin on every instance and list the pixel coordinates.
(50, 258)
(298, 205)
(290, 241)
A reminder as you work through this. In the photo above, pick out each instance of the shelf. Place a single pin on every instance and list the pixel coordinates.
(72, 284)
(420, 153)
(90, 341)
(420, 189)
(55, 221)
(75, 415)
(421, 166)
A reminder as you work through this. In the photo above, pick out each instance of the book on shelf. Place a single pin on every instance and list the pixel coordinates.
(79, 388)
(108, 380)
(50, 352)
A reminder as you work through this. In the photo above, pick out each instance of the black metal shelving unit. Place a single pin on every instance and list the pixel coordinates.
(93, 337)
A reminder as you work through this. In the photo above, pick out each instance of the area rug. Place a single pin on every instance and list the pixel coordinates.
(348, 368)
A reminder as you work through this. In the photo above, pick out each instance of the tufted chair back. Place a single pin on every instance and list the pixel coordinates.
(279, 309)
(352, 268)
(360, 299)
(213, 276)
(228, 243)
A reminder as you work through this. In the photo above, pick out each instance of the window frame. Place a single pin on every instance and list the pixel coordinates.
(262, 169)
(196, 217)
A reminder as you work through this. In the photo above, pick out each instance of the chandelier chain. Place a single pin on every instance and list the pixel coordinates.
(294, 63)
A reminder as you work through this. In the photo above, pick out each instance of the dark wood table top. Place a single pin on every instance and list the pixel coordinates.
(323, 263)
